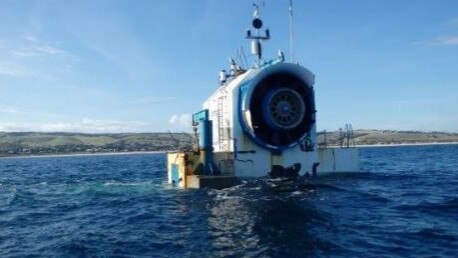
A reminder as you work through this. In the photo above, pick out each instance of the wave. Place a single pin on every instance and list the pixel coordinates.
(117, 183)
(445, 207)
(9, 196)
(435, 233)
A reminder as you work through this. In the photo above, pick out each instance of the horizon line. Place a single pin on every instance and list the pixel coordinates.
(180, 132)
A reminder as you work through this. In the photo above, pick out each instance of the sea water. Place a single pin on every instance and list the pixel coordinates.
(404, 204)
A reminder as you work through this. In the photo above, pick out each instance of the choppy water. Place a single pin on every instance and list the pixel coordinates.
(405, 205)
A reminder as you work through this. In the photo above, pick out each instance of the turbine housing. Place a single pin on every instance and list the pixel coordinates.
(264, 121)
(277, 106)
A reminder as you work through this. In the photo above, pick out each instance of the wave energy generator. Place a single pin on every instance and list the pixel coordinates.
(260, 122)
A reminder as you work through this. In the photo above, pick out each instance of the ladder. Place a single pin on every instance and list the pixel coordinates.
(222, 114)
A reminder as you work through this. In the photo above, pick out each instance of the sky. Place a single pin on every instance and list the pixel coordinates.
(145, 66)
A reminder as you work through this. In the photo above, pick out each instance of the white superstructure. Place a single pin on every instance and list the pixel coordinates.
(259, 122)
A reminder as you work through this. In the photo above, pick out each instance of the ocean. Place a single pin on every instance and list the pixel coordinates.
(404, 204)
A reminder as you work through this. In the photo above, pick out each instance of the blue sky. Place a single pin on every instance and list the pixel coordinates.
(142, 66)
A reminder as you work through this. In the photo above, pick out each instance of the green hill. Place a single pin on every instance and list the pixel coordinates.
(33, 143)
(30, 143)
(372, 137)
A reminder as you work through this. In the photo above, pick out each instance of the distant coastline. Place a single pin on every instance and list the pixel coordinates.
(52, 144)
(406, 144)
(163, 152)
(63, 155)
(37, 144)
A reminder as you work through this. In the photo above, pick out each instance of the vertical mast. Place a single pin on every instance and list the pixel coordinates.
(256, 37)
(291, 31)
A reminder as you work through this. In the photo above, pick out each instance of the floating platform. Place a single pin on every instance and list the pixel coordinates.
(213, 182)
(183, 167)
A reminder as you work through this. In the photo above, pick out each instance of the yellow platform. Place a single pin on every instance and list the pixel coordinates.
(181, 167)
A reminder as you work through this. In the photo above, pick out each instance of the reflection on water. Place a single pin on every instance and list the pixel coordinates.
(264, 217)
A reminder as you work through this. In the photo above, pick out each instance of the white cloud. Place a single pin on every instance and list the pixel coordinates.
(25, 111)
(48, 49)
(22, 53)
(118, 45)
(30, 38)
(443, 40)
(13, 70)
(84, 126)
(181, 120)
(28, 46)
(37, 51)
(22, 71)
(9, 110)
(17, 54)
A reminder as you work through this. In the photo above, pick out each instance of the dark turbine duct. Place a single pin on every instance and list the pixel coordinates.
(281, 111)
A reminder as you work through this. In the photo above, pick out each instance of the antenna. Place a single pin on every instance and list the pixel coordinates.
(243, 54)
(291, 31)
(256, 47)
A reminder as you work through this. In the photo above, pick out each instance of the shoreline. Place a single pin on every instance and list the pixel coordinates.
(406, 144)
(85, 154)
(392, 145)
(162, 152)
